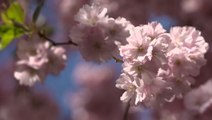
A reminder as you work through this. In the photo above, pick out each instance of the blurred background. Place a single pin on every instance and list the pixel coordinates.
(86, 91)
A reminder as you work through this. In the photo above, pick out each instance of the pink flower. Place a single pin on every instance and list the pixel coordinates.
(92, 44)
(97, 35)
(153, 30)
(163, 61)
(160, 48)
(181, 64)
(56, 60)
(189, 39)
(133, 87)
(116, 30)
(33, 52)
(91, 15)
(160, 40)
(37, 58)
(145, 71)
(28, 76)
(138, 48)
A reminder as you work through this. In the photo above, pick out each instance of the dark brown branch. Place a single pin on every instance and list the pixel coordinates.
(70, 42)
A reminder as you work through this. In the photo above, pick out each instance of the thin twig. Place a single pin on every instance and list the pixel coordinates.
(70, 42)
(126, 112)
(117, 60)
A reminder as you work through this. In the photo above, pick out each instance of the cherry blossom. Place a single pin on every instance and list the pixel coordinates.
(158, 66)
(138, 49)
(91, 15)
(36, 60)
(99, 42)
(92, 44)
(168, 61)
(133, 87)
(28, 76)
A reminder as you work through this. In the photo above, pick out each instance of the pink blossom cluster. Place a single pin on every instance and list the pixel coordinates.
(97, 34)
(154, 60)
(160, 68)
(36, 59)
(158, 64)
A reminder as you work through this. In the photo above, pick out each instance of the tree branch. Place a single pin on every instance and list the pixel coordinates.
(69, 42)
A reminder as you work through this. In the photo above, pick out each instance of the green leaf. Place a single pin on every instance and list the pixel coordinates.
(3, 29)
(13, 13)
(7, 38)
(37, 11)
(13, 24)
(8, 33)
(5, 19)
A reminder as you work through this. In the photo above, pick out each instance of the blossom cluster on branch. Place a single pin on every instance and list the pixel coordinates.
(156, 61)
(36, 59)
(158, 66)
(97, 34)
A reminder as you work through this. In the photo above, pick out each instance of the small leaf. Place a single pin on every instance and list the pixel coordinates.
(7, 38)
(3, 29)
(37, 11)
(13, 13)
(5, 19)
(13, 24)
(8, 33)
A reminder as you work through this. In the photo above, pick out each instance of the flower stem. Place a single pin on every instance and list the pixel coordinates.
(126, 112)
(117, 60)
